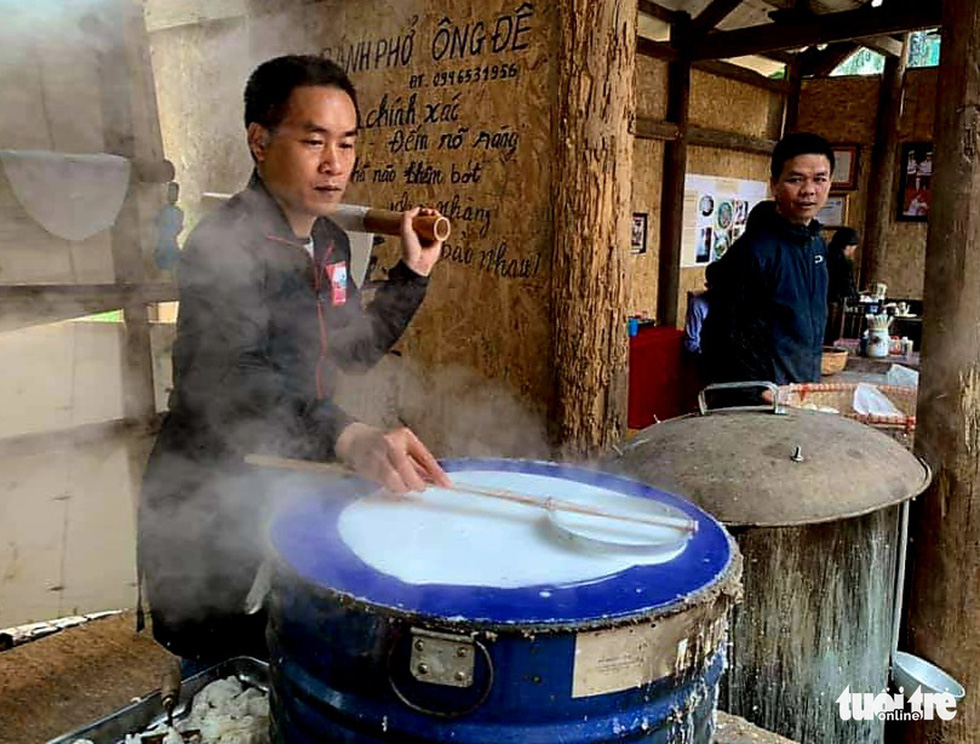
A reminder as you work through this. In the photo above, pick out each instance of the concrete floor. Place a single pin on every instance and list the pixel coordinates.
(63, 681)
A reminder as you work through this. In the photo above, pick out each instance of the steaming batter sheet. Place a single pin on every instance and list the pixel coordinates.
(445, 537)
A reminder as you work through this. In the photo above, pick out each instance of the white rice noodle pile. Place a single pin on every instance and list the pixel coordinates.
(224, 712)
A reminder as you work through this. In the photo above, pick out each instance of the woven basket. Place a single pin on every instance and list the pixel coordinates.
(839, 396)
(832, 360)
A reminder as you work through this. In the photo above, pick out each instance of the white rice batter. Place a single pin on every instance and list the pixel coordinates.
(446, 537)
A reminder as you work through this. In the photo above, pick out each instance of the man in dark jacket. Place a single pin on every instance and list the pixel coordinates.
(267, 315)
(769, 291)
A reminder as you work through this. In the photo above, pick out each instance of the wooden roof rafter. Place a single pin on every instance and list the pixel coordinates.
(820, 63)
(825, 28)
(884, 45)
(654, 10)
(714, 13)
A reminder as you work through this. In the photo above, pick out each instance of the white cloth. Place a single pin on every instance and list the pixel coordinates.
(71, 196)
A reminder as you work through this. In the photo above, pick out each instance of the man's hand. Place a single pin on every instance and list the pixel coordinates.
(395, 459)
(419, 257)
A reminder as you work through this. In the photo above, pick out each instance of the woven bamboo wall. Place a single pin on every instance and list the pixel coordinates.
(843, 110)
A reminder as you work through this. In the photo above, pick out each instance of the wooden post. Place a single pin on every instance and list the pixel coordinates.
(122, 20)
(944, 594)
(884, 156)
(675, 168)
(592, 185)
(791, 104)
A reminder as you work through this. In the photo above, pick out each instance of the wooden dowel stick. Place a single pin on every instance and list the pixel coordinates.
(551, 504)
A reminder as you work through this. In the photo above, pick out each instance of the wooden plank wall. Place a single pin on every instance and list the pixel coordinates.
(842, 109)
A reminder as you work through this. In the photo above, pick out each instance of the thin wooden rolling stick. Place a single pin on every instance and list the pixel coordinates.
(548, 503)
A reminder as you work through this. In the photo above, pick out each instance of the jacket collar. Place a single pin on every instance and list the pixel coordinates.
(272, 220)
(267, 212)
(764, 217)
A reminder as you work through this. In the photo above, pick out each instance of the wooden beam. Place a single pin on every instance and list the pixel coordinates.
(22, 306)
(884, 45)
(742, 75)
(663, 51)
(944, 595)
(820, 63)
(656, 11)
(884, 162)
(781, 56)
(729, 141)
(826, 28)
(111, 296)
(672, 188)
(791, 104)
(656, 49)
(164, 14)
(715, 12)
(60, 439)
(667, 131)
(119, 72)
(644, 128)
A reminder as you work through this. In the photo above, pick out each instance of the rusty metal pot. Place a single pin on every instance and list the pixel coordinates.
(812, 499)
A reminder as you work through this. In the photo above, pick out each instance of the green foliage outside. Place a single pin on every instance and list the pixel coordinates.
(923, 52)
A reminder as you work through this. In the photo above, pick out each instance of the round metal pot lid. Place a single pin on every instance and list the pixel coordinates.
(771, 469)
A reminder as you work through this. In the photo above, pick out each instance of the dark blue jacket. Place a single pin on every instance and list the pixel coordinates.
(769, 303)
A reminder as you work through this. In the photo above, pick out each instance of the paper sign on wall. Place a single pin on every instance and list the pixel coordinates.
(715, 213)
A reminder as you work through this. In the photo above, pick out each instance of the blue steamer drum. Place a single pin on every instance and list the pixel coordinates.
(476, 621)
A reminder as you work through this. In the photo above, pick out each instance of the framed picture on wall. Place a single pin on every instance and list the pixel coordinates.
(834, 213)
(915, 182)
(845, 167)
(638, 242)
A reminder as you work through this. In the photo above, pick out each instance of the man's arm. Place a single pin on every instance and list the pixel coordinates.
(370, 332)
(368, 335)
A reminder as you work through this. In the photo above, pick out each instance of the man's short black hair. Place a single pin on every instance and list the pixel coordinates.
(799, 143)
(273, 82)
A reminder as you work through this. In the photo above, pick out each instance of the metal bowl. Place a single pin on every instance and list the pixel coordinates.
(910, 672)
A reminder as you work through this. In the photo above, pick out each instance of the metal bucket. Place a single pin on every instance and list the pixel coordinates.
(813, 501)
(359, 655)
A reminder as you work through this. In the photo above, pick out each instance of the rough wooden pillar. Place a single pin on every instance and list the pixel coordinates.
(884, 156)
(592, 220)
(675, 168)
(944, 597)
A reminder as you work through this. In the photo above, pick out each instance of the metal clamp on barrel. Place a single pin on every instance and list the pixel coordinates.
(772, 406)
(441, 660)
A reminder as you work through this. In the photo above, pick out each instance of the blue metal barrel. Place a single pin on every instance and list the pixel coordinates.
(360, 656)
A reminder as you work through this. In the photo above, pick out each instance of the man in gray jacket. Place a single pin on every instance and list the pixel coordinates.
(268, 313)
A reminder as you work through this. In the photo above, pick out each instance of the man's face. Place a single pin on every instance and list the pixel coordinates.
(802, 188)
(306, 161)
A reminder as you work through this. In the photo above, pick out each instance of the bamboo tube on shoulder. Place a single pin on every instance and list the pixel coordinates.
(430, 228)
